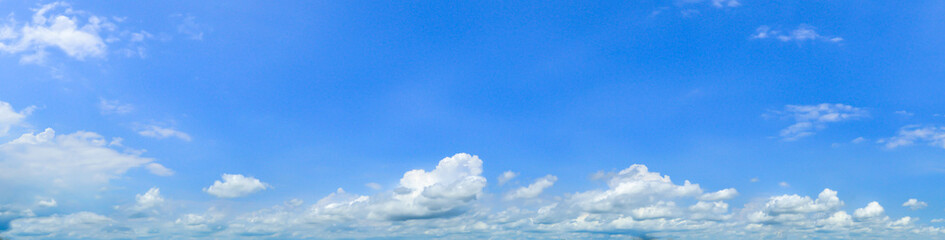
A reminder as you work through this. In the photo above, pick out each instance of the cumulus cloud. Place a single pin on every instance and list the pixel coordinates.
(506, 177)
(235, 185)
(10, 117)
(810, 118)
(872, 211)
(911, 134)
(915, 204)
(801, 34)
(162, 133)
(57, 26)
(534, 189)
(444, 203)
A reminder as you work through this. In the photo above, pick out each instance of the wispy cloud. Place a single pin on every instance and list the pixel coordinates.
(114, 107)
(158, 132)
(809, 119)
(800, 34)
(911, 134)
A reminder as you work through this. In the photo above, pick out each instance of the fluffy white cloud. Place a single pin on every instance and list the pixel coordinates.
(871, 211)
(443, 204)
(162, 133)
(911, 134)
(811, 118)
(507, 176)
(63, 30)
(915, 204)
(534, 189)
(149, 199)
(800, 34)
(10, 117)
(235, 185)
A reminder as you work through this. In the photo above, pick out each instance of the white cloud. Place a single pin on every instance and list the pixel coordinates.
(47, 203)
(160, 170)
(915, 204)
(114, 107)
(811, 118)
(79, 38)
(858, 140)
(714, 3)
(64, 161)
(10, 117)
(871, 211)
(794, 204)
(506, 176)
(724, 194)
(81, 225)
(444, 203)
(235, 185)
(800, 34)
(162, 133)
(534, 189)
(911, 134)
(905, 113)
(784, 184)
(937, 220)
(147, 204)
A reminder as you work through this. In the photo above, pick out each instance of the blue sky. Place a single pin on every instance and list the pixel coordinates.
(686, 119)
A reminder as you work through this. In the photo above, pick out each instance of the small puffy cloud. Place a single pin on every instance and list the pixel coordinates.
(114, 107)
(47, 203)
(871, 211)
(160, 170)
(634, 186)
(147, 204)
(724, 194)
(784, 184)
(858, 140)
(810, 118)
(801, 34)
(915, 204)
(10, 117)
(507, 176)
(792, 204)
(937, 220)
(911, 134)
(162, 133)
(235, 185)
(534, 189)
